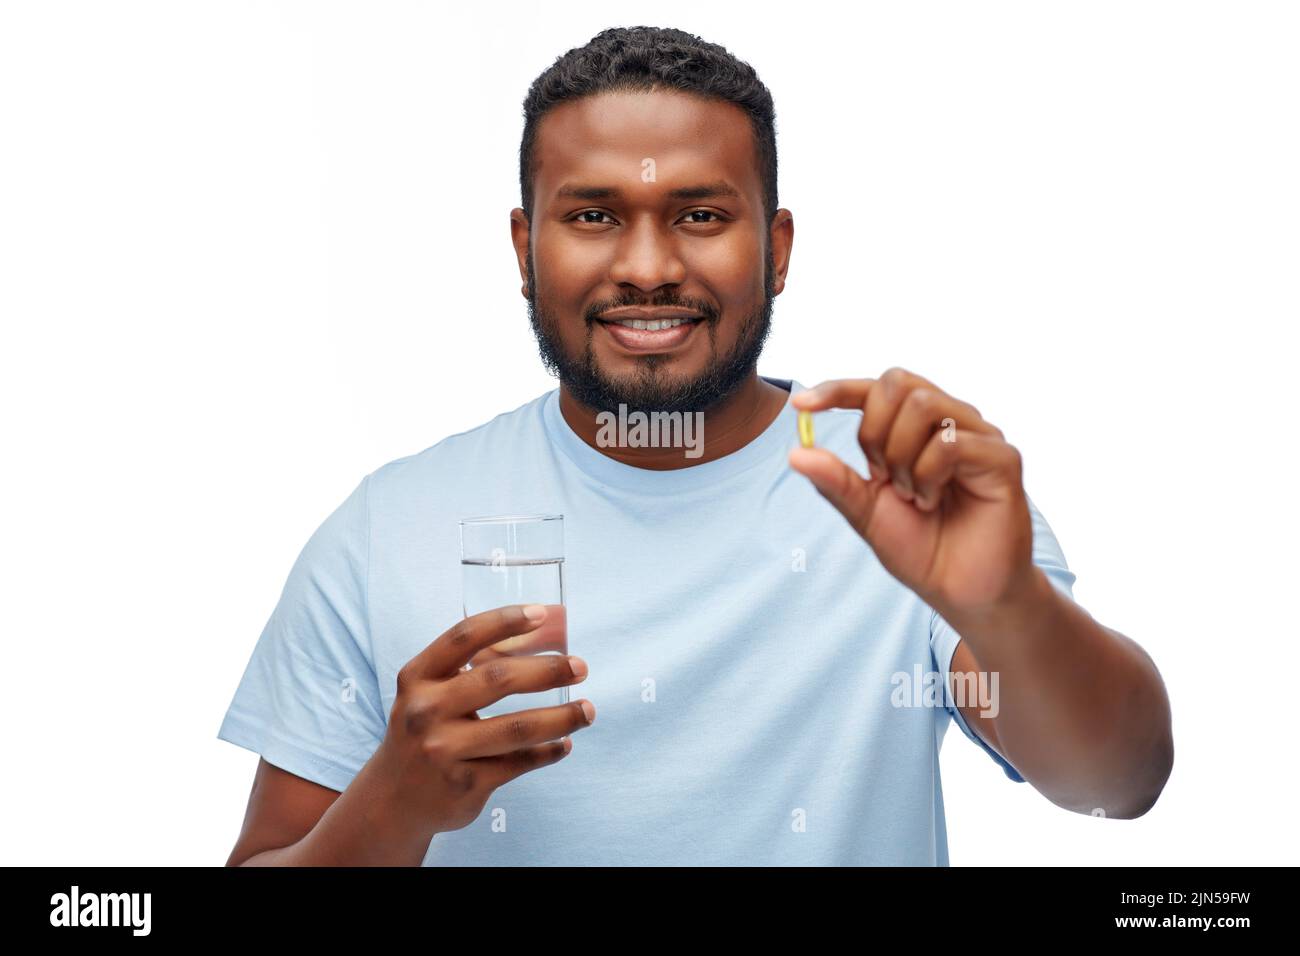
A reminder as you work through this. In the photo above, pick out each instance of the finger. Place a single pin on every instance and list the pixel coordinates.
(504, 768)
(856, 393)
(552, 636)
(877, 399)
(495, 679)
(509, 732)
(851, 392)
(844, 488)
(984, 466)
(923, 412)
(883, 405)
(450, 651)
(834, 393)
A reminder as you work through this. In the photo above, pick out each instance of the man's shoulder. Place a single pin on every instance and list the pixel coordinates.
(500, 434)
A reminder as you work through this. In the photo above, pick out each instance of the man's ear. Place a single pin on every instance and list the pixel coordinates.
(520, 235)
(781, 239)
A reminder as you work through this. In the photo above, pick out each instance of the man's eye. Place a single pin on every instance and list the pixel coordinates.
(598, 214)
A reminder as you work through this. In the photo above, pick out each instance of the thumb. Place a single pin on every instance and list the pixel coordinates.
(848, 491)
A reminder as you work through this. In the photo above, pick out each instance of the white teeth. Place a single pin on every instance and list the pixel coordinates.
(653, 325)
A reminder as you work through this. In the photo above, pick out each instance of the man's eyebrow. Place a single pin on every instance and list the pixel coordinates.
(705, 191)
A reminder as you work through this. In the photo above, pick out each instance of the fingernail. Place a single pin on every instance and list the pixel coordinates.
(589, 711)
(578, 666)
(535, 612)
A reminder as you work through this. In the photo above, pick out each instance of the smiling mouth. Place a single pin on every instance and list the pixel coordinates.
(650, 335)
(650, 325)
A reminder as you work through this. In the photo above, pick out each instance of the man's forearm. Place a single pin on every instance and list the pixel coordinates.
(363, 827)
(1082, 711)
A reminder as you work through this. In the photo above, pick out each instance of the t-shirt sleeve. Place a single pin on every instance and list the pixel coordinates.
(943, 639)
(309, 699)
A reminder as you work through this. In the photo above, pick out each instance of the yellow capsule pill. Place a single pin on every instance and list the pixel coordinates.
(805, 429)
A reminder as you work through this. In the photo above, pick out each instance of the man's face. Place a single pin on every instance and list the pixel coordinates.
(642, 246)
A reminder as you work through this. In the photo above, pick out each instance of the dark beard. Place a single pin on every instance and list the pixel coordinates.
(650, 390)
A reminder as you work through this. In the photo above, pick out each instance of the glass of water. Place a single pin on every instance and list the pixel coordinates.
(517, 559)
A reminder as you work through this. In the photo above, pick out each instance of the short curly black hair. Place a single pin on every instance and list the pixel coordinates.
(643, 59)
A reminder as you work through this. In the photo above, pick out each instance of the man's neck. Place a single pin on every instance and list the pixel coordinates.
(727, 427)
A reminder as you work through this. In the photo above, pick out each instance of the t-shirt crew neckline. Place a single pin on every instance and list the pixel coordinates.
(778, 438)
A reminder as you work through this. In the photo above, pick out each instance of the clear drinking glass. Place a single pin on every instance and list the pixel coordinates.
(517, 559)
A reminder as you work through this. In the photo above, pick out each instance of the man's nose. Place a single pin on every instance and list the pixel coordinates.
(648, 257)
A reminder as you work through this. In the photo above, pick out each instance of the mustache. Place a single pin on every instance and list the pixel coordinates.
(709, 313)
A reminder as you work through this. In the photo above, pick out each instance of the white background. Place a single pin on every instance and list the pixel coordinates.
(250, 252)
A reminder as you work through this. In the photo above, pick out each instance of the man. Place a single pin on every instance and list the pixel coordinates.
(764, 629)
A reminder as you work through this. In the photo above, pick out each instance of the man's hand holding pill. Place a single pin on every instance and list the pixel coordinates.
(944, 509)
(1083, 714)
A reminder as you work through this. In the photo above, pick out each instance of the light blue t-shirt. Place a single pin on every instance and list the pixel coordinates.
(744, 646)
